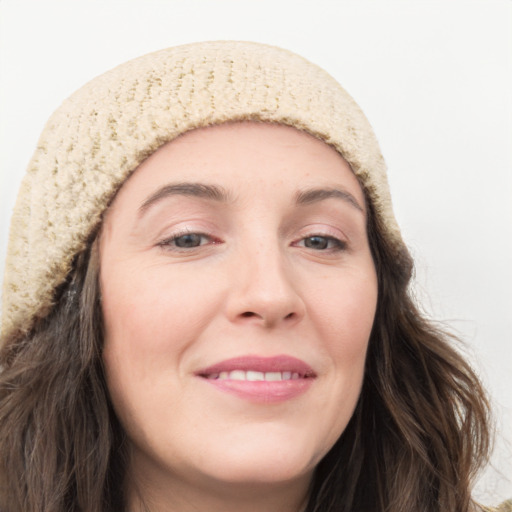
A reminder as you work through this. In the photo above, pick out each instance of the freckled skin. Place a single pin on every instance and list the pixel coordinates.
(266, 276)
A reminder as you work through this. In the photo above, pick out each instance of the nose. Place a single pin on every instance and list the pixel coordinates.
(264, 291)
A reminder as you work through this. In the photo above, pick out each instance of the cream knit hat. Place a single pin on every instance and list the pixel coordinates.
(102, 132)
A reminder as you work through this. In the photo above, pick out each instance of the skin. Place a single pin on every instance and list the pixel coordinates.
(267, 277)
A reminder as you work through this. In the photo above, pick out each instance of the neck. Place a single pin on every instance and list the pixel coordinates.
(151, 495)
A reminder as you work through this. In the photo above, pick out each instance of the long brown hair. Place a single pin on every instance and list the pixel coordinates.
(419, 433)
(421, 429)
(61, 444)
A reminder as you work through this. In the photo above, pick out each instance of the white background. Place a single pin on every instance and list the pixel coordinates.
(434, 78)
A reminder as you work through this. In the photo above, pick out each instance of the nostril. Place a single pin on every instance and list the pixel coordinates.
(289, 315)
(248, 314)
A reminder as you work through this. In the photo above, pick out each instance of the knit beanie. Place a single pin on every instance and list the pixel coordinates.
(101, 133)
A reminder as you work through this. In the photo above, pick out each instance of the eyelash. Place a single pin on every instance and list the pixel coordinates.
(336, 245)
(171, 242)
(333, 244)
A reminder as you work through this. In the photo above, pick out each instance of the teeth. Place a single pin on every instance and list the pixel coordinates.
(252, 375)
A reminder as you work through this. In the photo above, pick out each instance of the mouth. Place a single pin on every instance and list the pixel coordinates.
(260, 379)
(254, 376)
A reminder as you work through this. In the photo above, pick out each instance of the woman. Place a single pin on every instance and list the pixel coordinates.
(205, 305)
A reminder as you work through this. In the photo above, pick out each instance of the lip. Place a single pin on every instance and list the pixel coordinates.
(263, 391)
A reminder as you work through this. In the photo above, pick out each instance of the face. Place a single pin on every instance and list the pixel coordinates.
(238, 294)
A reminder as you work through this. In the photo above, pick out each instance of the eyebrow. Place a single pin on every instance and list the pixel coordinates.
(219, 194)
(201, 190)
(320, 194)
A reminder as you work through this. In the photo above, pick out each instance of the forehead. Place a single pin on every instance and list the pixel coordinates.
(253, 156)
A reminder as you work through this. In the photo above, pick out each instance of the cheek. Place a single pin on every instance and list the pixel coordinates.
(149, 325)
(345, 309)
(152, 307)
(344, 312)
(147, 330)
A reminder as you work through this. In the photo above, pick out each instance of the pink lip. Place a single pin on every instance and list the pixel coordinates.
(262, 390)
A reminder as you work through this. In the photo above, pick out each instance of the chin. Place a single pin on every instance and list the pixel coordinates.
(266, 458)
(260, 473)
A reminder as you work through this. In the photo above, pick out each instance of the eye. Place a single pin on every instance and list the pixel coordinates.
(186, 241)
(189, 240)
(322, 243)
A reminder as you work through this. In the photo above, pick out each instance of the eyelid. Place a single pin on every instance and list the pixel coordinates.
(339, 245)
(166, 242)
(326, 231)
(318, 229)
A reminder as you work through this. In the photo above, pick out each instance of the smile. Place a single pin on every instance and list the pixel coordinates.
(253, 376)
(260, 379)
